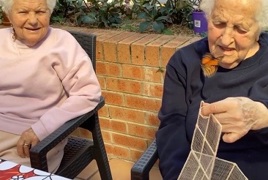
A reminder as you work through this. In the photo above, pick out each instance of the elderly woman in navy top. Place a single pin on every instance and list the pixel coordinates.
(228, 70)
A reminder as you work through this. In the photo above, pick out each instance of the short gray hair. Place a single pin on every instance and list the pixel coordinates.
(261, 16)
(7, 5)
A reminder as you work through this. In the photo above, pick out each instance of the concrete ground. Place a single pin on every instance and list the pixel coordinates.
(120, 171)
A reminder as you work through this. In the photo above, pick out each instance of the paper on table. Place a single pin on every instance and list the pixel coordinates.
(11, 170)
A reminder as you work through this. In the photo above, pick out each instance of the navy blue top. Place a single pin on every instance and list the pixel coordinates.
(185, 86)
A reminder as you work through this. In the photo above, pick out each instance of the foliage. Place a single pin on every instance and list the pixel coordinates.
(153, 17)
(98, 13)
(159, 16)
(151, 14)
(195, 3)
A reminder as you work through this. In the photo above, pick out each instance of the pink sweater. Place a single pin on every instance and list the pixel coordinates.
(44, 86)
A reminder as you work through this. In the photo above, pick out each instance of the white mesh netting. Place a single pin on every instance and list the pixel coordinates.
(202, 163)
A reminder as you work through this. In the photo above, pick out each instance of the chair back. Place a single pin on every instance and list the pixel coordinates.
(88, 43)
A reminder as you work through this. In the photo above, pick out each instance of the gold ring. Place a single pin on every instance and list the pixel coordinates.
(25, 144)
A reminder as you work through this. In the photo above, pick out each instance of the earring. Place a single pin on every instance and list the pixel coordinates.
(14, 36)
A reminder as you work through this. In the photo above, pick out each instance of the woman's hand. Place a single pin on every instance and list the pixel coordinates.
(237, 116)
(27, 140)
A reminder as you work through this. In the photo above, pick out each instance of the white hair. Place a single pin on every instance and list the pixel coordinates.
(261, 15)
(7, 5)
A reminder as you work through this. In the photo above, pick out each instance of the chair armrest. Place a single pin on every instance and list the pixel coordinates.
(141, 169)
(38, 152)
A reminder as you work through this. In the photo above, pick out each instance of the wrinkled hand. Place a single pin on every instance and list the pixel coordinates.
(27, 140)
(237, 115)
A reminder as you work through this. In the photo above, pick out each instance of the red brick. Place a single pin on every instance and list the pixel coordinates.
(152, 119)
(99, 51)
(104, 35)
(141, 131)
(124, 85)
(108, 69)
(152, 50)
(153, 90)
(135, 155)
(105, 123)
(169, 48)
(110, 53)
(110, 46)
(121, 152)
(133, 72)
(152, 55)
(131, 115)
(123, 50)
(190, 40)
(142, 103)
(113, 98)
(106, 136)
(129, 141)
(104, 112)
(137, 54)
(166, 53)
(108, 49)
(138, 49)
(153, 74)
(102, 81)
(120, 36)
(124, 47)
(109, 150)
(118, 126)
(100, 68)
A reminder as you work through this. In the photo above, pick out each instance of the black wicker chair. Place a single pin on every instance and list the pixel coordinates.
(79, 152)
(141, 169)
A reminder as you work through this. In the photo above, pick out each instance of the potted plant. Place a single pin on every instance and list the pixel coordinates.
(198, 17)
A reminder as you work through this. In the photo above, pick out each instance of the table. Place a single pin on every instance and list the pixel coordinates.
(13, 171)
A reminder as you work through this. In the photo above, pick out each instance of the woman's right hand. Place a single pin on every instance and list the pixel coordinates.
(27, 140)
(237, 115)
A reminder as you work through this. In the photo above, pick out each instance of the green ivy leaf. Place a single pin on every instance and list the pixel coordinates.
(142, 15)
(168, 32)
(144, 26)
(158, 26)
(162, 18)
(87, 19)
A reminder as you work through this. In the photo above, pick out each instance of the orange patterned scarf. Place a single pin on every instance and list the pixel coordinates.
(209, 65)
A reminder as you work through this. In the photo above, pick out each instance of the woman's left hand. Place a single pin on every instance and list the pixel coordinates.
(237, 115)
(27, 140)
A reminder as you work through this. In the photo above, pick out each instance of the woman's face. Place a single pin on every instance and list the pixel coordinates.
(30, 20)
(233, 32)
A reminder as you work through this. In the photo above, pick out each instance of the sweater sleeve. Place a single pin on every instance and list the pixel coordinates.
(172, 144)
(259, 91)
(79, 82)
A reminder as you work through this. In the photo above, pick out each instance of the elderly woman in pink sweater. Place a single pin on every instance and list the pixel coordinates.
(46, 80)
